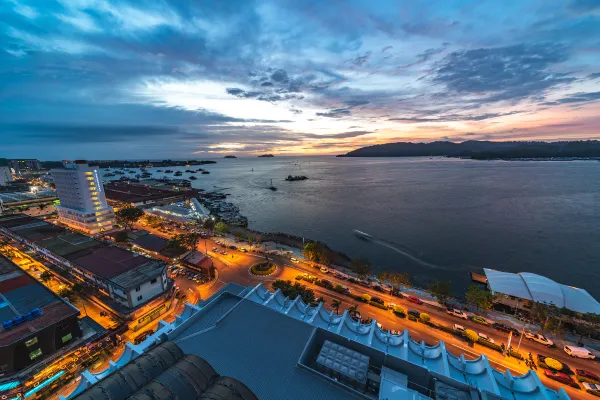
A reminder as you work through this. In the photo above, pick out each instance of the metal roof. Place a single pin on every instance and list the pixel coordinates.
(526, 285)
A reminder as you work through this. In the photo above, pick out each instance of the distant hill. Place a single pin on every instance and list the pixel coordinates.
(267, 155)
(483, 150)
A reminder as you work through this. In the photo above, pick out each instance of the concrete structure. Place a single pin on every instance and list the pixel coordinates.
(35, 323)
(128, 278)
(520, 290)
(285, 349)
(5, 172)
(138, 195)
(25, 164)
(82, 201)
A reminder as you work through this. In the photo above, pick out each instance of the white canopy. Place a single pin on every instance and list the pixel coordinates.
(540, 289)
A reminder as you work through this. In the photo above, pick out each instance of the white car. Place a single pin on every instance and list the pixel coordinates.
(294, 259)
(459, 328)
(483, 336)
(324, 270)
(579, 352)
(592, 388)
(457, 313)
(538, 337)
(391, 305)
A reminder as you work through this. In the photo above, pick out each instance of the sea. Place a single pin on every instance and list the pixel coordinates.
(434, 218)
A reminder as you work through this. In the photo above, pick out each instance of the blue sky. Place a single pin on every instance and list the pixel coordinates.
(117, 79)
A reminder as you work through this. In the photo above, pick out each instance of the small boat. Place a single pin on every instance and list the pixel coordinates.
(192, 178)
(168, 171)
(205, 172)
(362, 235)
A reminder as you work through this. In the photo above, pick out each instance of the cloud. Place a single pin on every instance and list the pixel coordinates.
(585, 5)
(343, 135)
(581, 97)
(455, 117)
(503, 73)
(595, 75)
(336, 113)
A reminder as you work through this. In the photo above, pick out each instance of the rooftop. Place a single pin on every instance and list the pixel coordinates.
(526, 285)
(20, 294)
(122, 267)
(130, 193)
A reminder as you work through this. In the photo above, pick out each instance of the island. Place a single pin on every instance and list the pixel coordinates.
(230, 157)
(296, 178)
(267, 155)
(486, 150)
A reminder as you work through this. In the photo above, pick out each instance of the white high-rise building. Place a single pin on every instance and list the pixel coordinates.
(82, 202)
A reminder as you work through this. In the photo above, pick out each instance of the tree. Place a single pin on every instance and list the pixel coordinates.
(129, 216)
(67, 294)
(46, 276)
(396, 279)
(366, 297)
(398, 309)
(362, 267)
(154, 221)
(121, 237)
(441, 290)
(482, 298)
(424, 317)
(471, 336)
(311, 251)
(335, 303)
(191, 240)
(209, 224)
(221, 227)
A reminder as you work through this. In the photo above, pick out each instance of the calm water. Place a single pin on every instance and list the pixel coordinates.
(434, 218)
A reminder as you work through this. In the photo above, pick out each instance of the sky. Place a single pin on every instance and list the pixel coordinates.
(104, 79)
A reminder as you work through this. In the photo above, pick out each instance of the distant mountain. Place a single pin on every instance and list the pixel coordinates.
(482, 150)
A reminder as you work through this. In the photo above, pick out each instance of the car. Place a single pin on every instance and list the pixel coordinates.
(339, 275)
(324, 270)
(243, 250)
(391, 305)
(538, 337)
(560, 377)
(379, 288)
(414, 313)
(579, 352)
(232, 247)
(142, 336)
(505, 328)
(456, 313)
(376, 299)
(326, 283)
(591, 388)
(299, 277)
(485, 338)
(414, 299)
(294, 259)
(459, 328)
(587, 375)
(224, 252)
(479, 320)
(215, 249)
(352, 280)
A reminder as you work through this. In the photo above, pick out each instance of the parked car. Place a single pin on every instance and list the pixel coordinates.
(456, 313)
(232, 247)
(560, 377)
(459, 328)
(293, 259)
(215, 249)
(579, 352)
(538, 337)
(592, 388)
(376, 299)
(244, 250)
(479, 320)
(324, 270)
(485, 338)
(379, 288)
(414, 313)
(142, 336)
(339, 275)
(414, 299)
(391, 305)
(505, 328)
(326, 283)
(587, 374)
(224, 252)
(352, 280)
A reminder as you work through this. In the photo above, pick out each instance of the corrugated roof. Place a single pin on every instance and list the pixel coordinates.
(151, 242)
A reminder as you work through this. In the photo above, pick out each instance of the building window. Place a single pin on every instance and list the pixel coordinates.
(153, 280)
(139, 298)
(66, 338)
(35, 354)
(31, 342)
(137, 289)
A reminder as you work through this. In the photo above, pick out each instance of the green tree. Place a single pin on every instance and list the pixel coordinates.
(191, 240)
(209, 224)
(362, 267)
(311, 251)
(398, 309)
(471, 335)
(396, 279)
(154, 221)
(441, 290)
(335, 303)
(129, 216)
(121, 237)
(221, 227)
(424, 317)
(482, 298)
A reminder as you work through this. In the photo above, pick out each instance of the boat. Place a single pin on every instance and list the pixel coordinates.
(205, 172)
(362, 235)
(192, 177)
(168, 171)
(178, 173)
(159, 170)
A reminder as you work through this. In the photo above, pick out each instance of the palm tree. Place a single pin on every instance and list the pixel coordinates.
(336, 305)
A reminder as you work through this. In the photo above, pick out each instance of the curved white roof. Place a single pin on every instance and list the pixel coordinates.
(540, 289)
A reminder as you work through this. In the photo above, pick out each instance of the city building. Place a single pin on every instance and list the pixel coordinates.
(128, 278)
(285, 349)
(156, 246)
(5, 172)
(25, 164)
(166, 372)
(82, 201)
(137, 195)
(523, 289)
(199, 261)
(36, 323)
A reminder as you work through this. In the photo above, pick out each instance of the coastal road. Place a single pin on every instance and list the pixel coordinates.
(234, 267)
